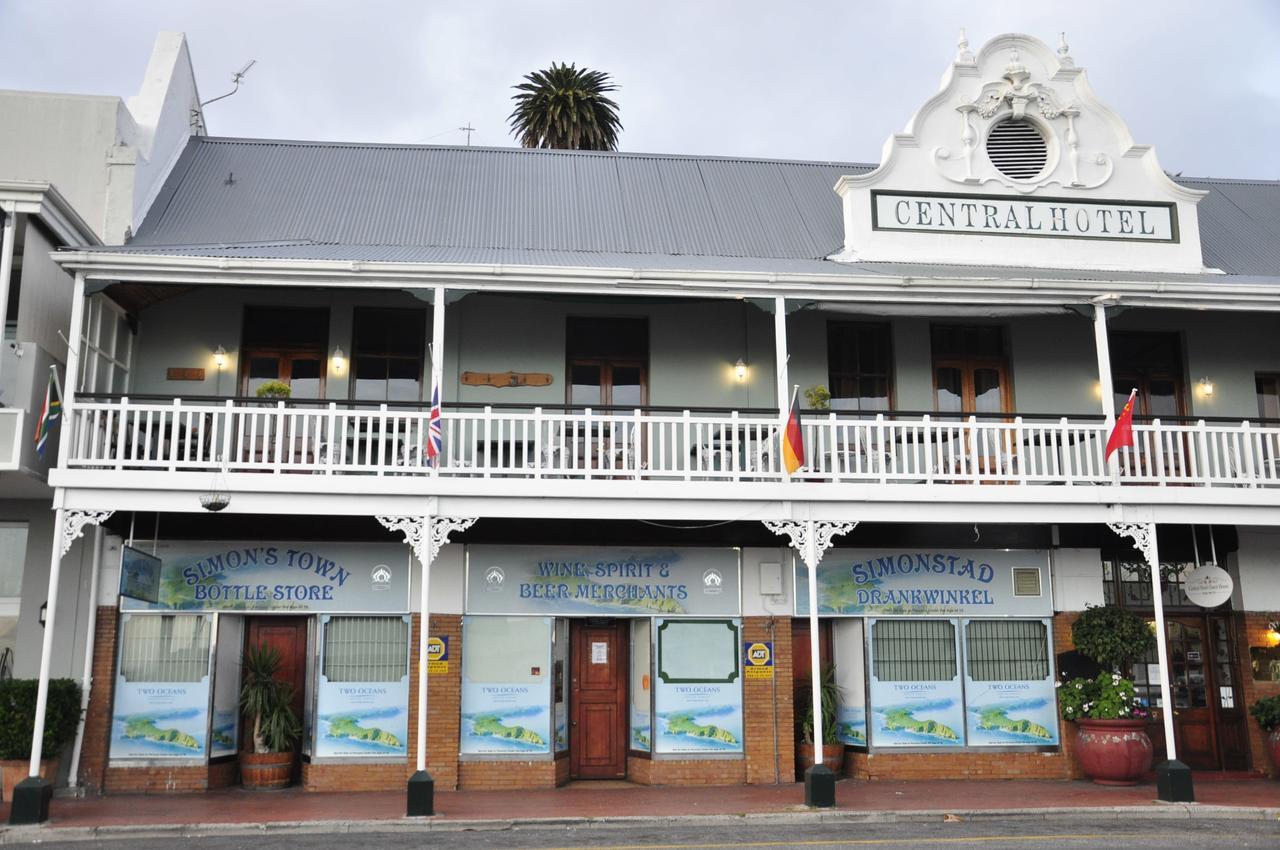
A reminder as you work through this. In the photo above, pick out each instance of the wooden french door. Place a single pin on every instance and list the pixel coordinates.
(1208, 719)
(598, 700)
(288, 636)
(596, 382)
(303, 371)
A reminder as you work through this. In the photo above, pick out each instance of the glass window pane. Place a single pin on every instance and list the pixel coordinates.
(986, 391)
(627, 389)
(585, 385)
(164, 648)
(261, 370)
(366, 649)
(950, 390)
(913, 650)
(1007, 650)
(13, 557)
(1162, 398)
(304, 378)
(698, 651)
(1268, 396)
(641, 735)
(8, 645)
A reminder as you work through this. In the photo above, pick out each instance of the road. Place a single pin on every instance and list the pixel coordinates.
(1081, 832)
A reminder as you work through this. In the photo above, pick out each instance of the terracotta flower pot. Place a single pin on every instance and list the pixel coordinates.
(832, 757)
(1273, 749)
(1113, 752)
(266, 770)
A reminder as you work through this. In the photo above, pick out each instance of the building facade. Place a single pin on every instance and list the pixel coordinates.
(618, 560)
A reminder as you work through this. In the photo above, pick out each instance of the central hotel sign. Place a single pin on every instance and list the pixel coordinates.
(1002, 215)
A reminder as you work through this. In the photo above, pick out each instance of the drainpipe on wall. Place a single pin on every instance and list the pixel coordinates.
(6, 264)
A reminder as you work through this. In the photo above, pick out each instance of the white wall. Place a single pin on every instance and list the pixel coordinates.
(1257, 564)
(1077, 579)
(753, 603)
(44, 303)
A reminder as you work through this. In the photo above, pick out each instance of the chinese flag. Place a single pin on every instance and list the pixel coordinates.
(1122, 433)
(793, 437)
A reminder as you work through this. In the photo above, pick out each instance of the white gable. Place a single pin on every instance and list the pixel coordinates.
(1016, 162)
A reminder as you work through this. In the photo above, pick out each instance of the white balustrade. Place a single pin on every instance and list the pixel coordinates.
(280, 438)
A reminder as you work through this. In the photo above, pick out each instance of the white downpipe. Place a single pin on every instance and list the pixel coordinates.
(1162, 648)
(74, 339)
(46, 647)
(780, 352)
(1104, 363)
(6, 266)
(815, 655)
(424, 633)
(86, 678)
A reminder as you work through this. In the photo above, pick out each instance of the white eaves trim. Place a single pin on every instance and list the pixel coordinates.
(47, 203)
(1220, 293)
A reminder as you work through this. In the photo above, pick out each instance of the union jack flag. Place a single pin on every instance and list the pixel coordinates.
(435, 437)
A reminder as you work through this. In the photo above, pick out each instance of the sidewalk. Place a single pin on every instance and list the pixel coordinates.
(612, 801)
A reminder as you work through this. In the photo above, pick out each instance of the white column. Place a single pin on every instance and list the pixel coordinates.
(1104, 363)
(811, 558)
(437, 338)
(6, 265)
(780, 353)
(86, 677)
(46, 648)
(1162, 645)
(74, 341)
(426, 556)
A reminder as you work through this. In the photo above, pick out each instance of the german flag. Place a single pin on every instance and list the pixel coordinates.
(793, 437)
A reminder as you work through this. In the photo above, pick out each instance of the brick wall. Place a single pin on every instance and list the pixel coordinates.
(643, 771)
(354, 776)
(97, 727)
(761, 719)
(505, 775)
(444, 704)
(161, 779)
(1254, 633)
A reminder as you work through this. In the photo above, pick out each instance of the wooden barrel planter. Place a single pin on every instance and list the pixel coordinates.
(266, 770)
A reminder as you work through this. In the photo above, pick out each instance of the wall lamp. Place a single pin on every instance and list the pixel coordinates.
(1206, 387)
(1273, 632)
(339, 359)
(220, 358)
(740, 370)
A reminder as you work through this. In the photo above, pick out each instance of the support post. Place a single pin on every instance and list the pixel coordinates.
(1105, 388)
(86, 678)
(31, 796)
(425, 535)
(1173, 778)
(74, 341)
(780, 353)
(6, 264)
(811, 540)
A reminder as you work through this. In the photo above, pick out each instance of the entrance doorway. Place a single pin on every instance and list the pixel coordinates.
(287, 636)
(598, 699)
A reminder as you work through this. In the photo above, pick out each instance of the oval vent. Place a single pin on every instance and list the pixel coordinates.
(1017, 149)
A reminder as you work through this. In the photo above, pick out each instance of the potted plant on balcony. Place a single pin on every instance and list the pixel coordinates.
(1111, 736)
(832, 747)
(267, 701)
(17, 721)
(1267, 712)
(818, 397)
(274, 390)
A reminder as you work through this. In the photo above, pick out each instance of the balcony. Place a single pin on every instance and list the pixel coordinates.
(298, 438)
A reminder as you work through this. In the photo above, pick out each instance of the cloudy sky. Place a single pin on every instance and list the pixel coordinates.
(808, 80)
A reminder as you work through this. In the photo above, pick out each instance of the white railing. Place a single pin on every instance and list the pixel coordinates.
(273, 437)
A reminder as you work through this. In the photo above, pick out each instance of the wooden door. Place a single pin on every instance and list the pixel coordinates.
(288, 636)
(1191, 682)
(304, 371)
(598, 700)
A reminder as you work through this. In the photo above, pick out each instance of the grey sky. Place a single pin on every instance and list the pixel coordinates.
(819, 80)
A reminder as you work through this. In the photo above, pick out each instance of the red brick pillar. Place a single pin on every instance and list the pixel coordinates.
(444, 702)
(97, 727)
(1252, 631)
(764, 719)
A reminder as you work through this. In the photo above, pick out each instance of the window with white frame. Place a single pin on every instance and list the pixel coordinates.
(164, 648)
(106, 347)
(13, 557)
(366, 649)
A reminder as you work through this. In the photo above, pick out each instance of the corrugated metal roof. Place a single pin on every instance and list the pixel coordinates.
(265, 198)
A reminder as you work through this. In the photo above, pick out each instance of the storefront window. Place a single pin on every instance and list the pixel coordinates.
(13, 556)
(162, 691)
(916, 695)
(699, 692)
(506, 685)
(641, 695)
(1009, 686)
(914, 651)
(560, 685)
(850, 660)
(226, 685)
(1006, 650)
(362, 705)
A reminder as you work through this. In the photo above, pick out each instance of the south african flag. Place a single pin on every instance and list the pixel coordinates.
(48, 414)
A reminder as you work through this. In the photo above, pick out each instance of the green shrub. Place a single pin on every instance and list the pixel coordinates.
(1267, 712)
(1112, 636)
(274, 389)
(18, 713)
(1108, 697)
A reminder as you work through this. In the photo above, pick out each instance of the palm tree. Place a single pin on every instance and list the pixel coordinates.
(565, 107)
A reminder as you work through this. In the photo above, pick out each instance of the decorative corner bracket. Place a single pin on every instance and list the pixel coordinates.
(1143, 535)
(810, 538)
(73, 523)
(426, 546)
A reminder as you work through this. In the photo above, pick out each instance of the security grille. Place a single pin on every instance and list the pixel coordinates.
(1007, 650)
(1017, 149)
(913, 650)
(165, 648)
(366, 649)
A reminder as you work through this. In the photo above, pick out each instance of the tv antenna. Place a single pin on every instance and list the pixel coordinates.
(468, 130)
(235, 80)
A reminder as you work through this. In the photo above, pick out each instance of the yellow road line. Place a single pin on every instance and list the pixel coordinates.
(844, 842)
